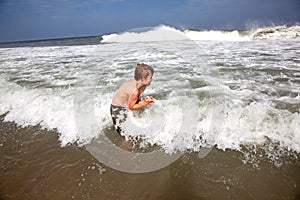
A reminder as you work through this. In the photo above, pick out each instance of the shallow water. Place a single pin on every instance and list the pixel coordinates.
(239, 99)
(35, 166)
(249, 90)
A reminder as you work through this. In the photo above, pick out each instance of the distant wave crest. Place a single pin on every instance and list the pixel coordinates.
(277, 33)
(162, 33)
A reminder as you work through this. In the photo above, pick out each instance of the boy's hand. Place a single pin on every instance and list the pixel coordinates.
(150, 100)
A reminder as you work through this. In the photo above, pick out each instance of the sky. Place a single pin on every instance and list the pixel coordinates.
(22, 20)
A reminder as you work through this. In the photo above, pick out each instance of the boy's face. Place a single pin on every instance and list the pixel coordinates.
(147, 81)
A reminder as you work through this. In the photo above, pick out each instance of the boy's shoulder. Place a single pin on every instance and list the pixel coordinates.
(128, 86)
(129, 83)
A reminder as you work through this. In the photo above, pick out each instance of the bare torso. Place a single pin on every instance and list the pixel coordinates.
(125, 90)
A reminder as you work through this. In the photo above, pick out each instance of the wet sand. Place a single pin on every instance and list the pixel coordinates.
(35, 166)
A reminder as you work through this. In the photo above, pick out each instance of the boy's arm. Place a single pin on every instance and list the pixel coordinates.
(134, 101)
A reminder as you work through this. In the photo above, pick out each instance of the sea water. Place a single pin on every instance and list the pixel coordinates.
(231, 91)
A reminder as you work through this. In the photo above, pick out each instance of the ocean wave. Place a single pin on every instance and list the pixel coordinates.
(277, 33)
(259, 95)
(159, 33)
(254, 124)
(162, 33)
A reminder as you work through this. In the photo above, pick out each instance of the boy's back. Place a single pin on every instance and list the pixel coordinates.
(123, 93)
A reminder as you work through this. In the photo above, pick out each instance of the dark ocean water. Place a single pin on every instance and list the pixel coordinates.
(91, 40)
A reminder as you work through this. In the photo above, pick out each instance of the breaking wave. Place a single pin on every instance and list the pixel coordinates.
(162, 33)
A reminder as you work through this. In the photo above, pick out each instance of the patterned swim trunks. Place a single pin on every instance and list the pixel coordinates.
(118, 115)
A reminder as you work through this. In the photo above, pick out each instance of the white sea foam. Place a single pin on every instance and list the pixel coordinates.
(252, 124)
(256, 123)
(108, 37)
(38, 107)
(216, 35)
(277, 33)
(166, 33)
(160, 33)
(244, 94)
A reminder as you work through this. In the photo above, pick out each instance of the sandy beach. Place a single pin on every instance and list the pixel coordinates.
(35, 166)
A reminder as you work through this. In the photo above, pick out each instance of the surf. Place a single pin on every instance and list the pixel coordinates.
(243, 98)
(167, 33)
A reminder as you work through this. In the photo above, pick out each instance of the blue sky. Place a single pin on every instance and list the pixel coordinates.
(42, 19)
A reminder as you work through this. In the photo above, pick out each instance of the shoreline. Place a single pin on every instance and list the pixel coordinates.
(35, 166)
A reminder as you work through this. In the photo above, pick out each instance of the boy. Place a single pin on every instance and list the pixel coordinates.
(130, 94)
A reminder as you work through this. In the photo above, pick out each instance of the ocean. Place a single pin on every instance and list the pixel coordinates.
(225, 123)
